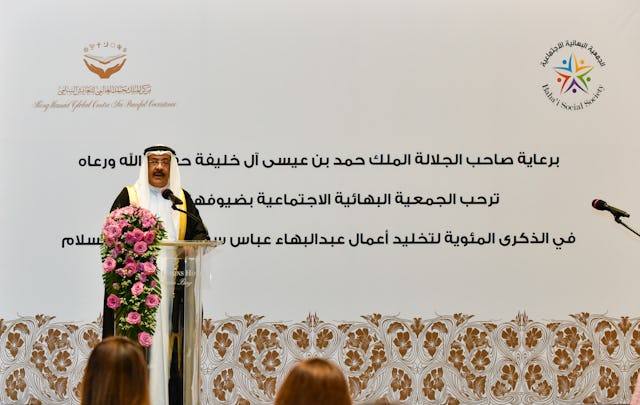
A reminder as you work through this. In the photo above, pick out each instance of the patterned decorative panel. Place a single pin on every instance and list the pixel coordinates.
(444, 360)
(41, 362)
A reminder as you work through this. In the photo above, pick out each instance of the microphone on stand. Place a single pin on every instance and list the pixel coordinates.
(603, 206)
(167, 194)
(617, 213)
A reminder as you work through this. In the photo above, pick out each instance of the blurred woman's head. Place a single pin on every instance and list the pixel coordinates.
(314, 382)
(116, 374)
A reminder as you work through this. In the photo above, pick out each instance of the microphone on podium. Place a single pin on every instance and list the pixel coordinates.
(167, 194)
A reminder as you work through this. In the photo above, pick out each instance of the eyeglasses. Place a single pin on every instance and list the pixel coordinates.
(159, 162)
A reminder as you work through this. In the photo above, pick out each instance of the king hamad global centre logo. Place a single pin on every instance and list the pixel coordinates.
(104, 58)
(573, 69)
(100, 87)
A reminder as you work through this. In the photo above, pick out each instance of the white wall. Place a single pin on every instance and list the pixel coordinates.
(331, 79)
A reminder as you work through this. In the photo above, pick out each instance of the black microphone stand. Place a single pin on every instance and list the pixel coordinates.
(190, 215)
(618, 220)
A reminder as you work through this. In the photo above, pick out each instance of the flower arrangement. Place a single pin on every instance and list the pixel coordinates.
(130, 244)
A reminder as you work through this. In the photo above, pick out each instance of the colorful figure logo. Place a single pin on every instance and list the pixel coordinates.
(573, 75)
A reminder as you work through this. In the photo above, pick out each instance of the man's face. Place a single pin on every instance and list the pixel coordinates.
(159, 168)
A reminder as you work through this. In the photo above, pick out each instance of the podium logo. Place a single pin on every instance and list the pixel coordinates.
(570, 68)
(104, 58)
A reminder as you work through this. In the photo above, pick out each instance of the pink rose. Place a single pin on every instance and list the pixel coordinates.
(137, 288)
(109, 220)
(134, 236)
(152, 301)
(123, 223)
(149, 237)
(138, 234)
(129, 238)
(139, 248)
(145, 339)
(113, 301)
(118, 247)
(133, 318)
(153, 284)
(128, 210)
(109, 264)
(130, 266)
(149, 268)
(148, 220)
(111, 231)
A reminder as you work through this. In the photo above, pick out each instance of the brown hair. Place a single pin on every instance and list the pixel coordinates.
(116, 374)
(314, 382)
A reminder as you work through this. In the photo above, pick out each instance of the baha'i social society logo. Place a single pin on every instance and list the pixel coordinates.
(572, 69)
(104, 58)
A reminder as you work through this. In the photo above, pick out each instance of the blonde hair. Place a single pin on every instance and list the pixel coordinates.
(116, 374)
(314, 382)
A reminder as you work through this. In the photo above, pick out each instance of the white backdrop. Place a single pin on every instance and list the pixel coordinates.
(330, 81)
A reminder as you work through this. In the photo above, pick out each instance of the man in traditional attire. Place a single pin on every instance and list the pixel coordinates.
(158, 172)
